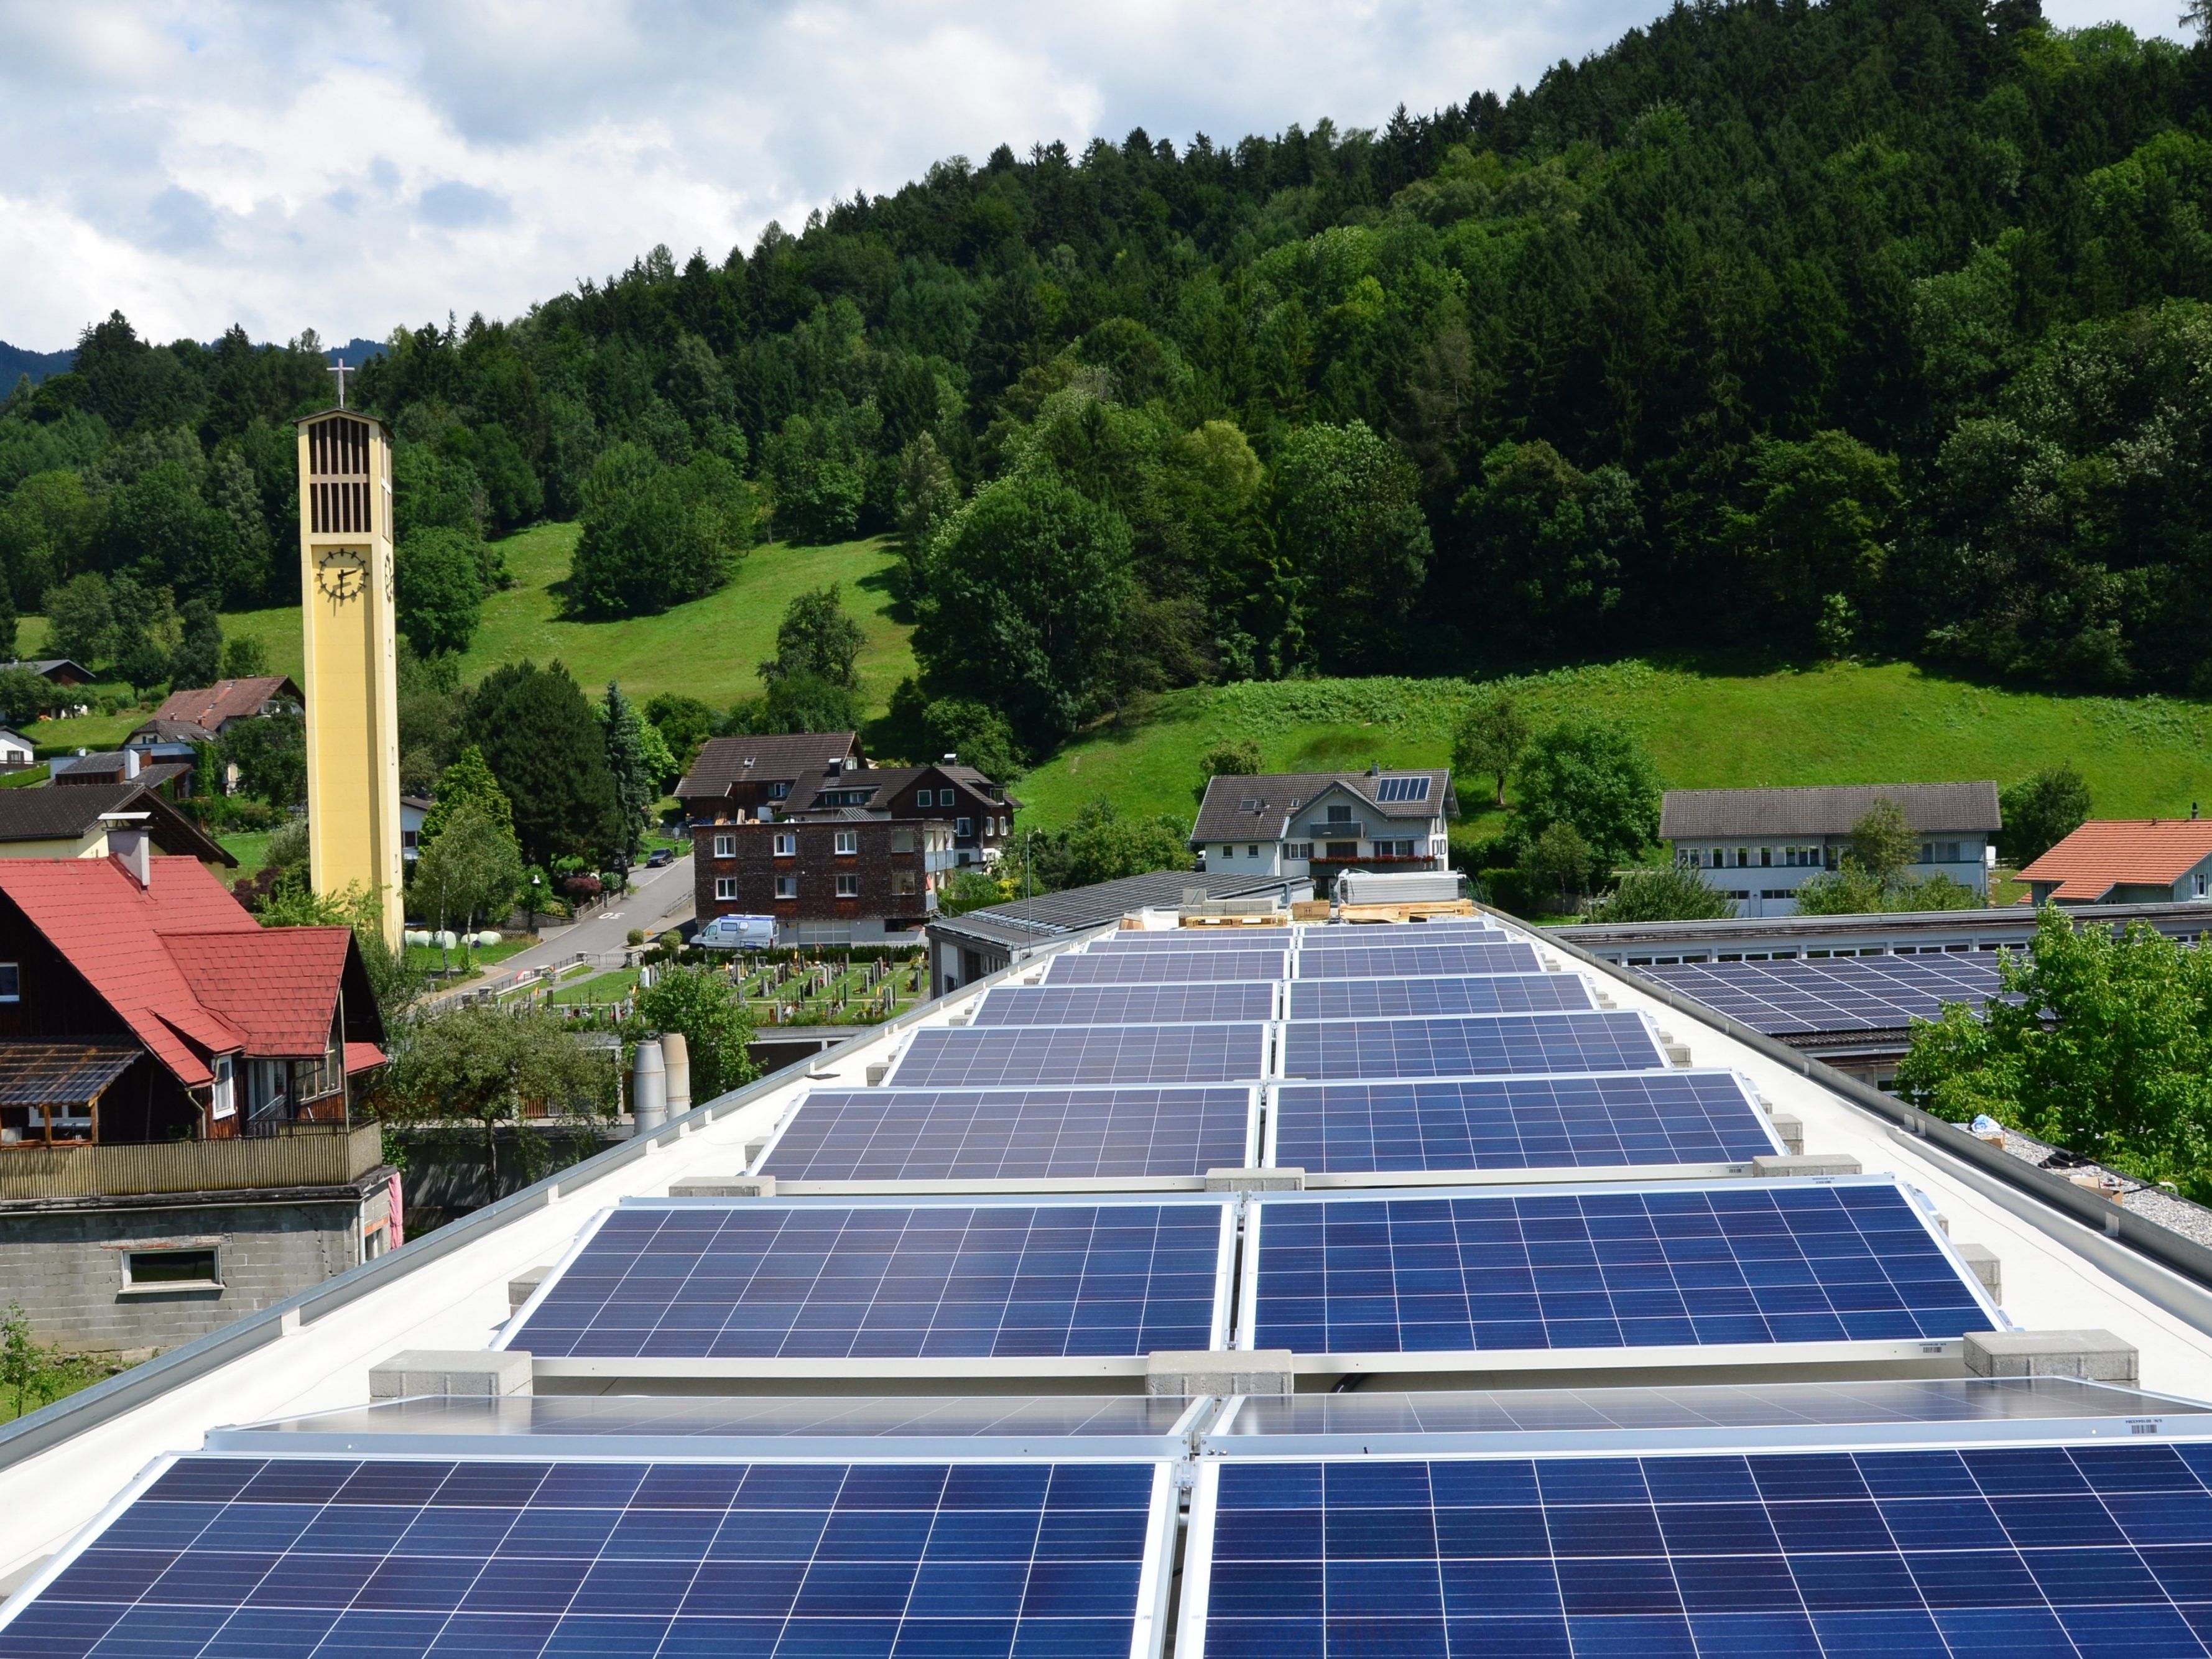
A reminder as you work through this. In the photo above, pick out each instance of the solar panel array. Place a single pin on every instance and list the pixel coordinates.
(1471, 1046)
(1835, 994)
(986, 1057)
(2075, 1550)
(1126, 1005)
(336, 1556)
(1392, 998)
(1423, 961)
(1007, 1134)
(1654, 1118)
(694, 1279)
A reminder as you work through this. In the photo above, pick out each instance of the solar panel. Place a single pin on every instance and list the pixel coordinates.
(2058, 1550)
(1008, 1056)
(1765, 1262)
(1000, 1134)
(1836, 994)
(1470, 1045)
(1407, 961)
(760, 1279)
(1193, 938)
(1519, 1123)
(339, 1556)
(1366, 935)
(1394, 789)
(1126, 1005)
(1164, 967)
(1386, 998)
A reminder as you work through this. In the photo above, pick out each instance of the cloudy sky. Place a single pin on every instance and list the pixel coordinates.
(347, 165)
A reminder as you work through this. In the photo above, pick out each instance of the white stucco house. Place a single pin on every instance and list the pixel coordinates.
(1319, 824)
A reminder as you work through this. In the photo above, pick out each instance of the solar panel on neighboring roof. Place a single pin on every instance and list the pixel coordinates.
(1519, 1123)
(2081, 1550)
(1397, 789)
(1164, 967)
(401, 1558)
(1126, 1005)
(762, 1278)
(1005, 1056)
(1836, 994)
(1470, 1045)
(1765, 1262)
(999, 1135)
(1395, 961)
(1490, 993)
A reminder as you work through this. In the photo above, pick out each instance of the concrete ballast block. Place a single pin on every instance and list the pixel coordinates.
(1789, 1130)
(737, 1186)
(877, 1071)
(1218, 1370)
(1287, 1180)
(523, 1286)
(1982, 1263)
(480, 1372)
(2091, 1356)
(1767, 1166)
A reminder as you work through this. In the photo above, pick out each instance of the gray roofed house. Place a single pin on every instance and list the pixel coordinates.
(77, 822)
(1758, 845)
(748, 771)
(1319, 823)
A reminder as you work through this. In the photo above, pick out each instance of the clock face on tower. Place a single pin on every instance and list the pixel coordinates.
(341, 572)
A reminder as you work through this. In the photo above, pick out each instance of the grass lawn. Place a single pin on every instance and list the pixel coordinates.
(249, 849)
(611, 987)
(1844, 723)
(466, 958)
(96, 732)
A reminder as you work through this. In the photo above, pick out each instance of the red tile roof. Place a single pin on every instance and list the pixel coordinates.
(210, 706)
(181, 961)
(2108, 853)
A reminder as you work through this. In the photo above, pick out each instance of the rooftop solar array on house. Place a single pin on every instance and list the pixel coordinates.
(1596, 1122)
(821, 1281)
(1126, 1005)
(1425, 960)
(1470, 1045)
(1386, 998)
(1003, 1056)
(1398, 789)
(230, 1555)
(1008, 1134)
(1097, 967)
(1835, 994)
(1660, 1267)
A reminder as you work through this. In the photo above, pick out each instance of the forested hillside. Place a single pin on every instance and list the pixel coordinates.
(1879, 327)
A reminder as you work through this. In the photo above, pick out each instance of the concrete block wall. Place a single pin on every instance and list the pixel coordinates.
(65, 1266)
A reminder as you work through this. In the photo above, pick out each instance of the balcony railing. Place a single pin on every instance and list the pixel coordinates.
(328, 1156)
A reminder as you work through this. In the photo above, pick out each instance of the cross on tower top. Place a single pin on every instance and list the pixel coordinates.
(340, 371)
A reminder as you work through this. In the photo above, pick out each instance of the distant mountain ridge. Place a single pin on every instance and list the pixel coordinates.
(15, 361)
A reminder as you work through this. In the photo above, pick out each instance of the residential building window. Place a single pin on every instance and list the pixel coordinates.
(222, 1098)
(786, 887)
(902, 884)
(726, 888)
(848, 887)
(1229, 851)
(849, 841)
(726, 846)
(1252, 851)
(787, 844)
(2200, 884)
(902, 841)
(11, 981)
(963, 826)
(1765, 857)
(170, 1269)
(778, 791)
(1297, 849)
(1340, 815)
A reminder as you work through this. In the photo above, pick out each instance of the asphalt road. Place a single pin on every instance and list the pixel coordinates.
(658, 900)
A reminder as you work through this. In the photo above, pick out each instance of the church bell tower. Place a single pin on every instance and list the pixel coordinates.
(352, 667)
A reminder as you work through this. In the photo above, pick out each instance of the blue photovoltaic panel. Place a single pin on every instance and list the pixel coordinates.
(1836, 994)
(292, 1557)
(1407, 961)
(1396, 789)
(1744, 1263)
(1164, 967)
(1924, 1555)
(1128, 1004)
(1193, 938)
(1519, 1123)
(756, 1280)
(999, 1134)
(1390, 999)
(1470, 1045)
(1368, 936)
(1014, 1056)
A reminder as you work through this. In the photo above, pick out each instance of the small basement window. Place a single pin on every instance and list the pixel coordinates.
(192, 1269)
(11, 981)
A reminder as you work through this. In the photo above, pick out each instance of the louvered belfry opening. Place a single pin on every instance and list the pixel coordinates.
(337, 476)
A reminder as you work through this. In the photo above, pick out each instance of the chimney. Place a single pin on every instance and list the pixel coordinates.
(132, 845)
(648, 1089)
(950, 760)
(676, 1065)
(131, 759)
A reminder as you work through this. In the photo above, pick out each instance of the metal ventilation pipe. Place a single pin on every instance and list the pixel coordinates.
(648, 1089)
(676, 1058)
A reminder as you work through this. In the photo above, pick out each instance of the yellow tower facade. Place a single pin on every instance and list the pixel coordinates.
(352, 667)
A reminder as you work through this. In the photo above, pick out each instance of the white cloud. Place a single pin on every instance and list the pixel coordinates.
(352, 166)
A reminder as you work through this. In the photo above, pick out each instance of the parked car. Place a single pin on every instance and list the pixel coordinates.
(659, 858)
(736, 934)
